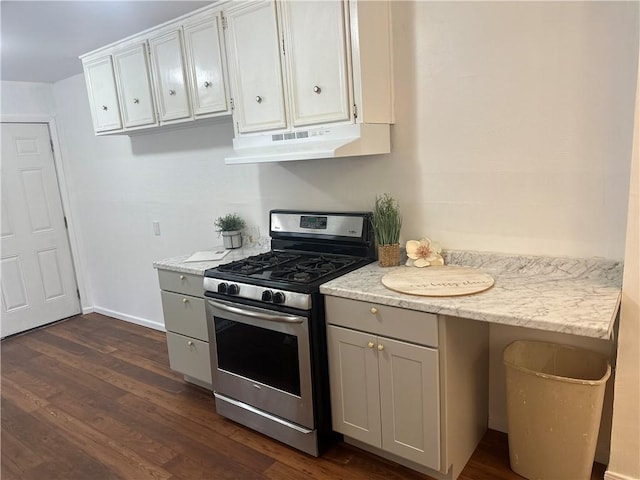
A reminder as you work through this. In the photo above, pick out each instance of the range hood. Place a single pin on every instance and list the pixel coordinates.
(313, 143)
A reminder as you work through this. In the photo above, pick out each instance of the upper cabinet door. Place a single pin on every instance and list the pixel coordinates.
(316, 60)
(169, 76)
(255, 67)
(103, 98)
(134, 86)
(203, 48)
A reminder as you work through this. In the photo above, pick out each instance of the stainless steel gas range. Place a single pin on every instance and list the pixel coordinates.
(266, 325)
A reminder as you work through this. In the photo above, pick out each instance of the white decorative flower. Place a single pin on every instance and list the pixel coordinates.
(424, 253)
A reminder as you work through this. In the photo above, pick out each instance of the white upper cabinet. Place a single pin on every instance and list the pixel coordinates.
(295, 64)
(255, 68)
(204, 55)
(169, 76)
(134, 86)
(103, 98)
(172, 73)
(315, 47)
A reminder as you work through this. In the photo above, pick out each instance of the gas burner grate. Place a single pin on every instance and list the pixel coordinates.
(257, 263)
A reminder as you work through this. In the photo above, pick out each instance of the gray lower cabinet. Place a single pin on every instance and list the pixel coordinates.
(409, 386)
(185, 319)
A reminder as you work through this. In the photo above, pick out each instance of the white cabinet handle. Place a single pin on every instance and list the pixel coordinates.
(380, 347)
(371, 344)
(172, 92)
(259, 99)
(374, 310)
(317, 89)
(207, 84)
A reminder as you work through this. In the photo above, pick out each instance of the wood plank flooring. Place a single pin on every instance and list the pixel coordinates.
(93, 397)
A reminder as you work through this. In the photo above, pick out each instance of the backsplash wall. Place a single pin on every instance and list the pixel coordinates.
(513, 133)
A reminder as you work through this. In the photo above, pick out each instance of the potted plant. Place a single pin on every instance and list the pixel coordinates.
(387, 221)
(230, 226)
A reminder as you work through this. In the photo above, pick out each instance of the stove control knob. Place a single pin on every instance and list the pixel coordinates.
(233, 289)
(278, 297)
(267, 296)
(222, 287)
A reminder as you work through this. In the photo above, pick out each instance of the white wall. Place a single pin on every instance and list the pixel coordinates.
(625, 436)
(26, 99)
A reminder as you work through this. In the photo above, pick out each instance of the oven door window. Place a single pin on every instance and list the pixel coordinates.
(262, 355)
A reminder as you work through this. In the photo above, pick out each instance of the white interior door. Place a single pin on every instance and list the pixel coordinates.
(36, 272)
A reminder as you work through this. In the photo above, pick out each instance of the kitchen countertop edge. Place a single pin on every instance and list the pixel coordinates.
(559, 294)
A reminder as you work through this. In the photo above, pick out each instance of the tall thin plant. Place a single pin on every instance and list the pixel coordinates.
(387, 220)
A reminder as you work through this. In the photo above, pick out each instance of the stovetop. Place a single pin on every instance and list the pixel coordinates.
(296, 271)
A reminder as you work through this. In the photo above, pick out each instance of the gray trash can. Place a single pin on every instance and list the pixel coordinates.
(554, 404)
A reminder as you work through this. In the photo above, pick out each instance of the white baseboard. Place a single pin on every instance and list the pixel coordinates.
(609, 475)
(86, 310)
(130, 318)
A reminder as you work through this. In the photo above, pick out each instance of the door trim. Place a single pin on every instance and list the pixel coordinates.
(59, 152)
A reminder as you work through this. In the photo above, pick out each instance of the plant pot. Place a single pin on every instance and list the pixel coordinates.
(232, 239)
(389, 255)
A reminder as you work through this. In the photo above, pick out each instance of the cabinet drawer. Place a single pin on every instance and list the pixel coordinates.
(399, 323)
(185, 314)
(189, 356)
(186, 283)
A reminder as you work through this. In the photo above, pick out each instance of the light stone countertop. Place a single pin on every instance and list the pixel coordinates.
(568, 295)
(178, 264)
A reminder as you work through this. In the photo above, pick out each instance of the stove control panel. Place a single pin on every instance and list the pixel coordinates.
(259, 293)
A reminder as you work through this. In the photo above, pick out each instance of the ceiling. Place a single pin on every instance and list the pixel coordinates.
(41, 40)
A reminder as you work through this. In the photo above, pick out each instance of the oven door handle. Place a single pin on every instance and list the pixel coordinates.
(259, 314)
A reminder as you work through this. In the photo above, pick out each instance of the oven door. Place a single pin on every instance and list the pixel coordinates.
(261, 357)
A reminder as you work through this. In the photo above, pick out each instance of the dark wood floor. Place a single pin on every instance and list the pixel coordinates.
(93, 398)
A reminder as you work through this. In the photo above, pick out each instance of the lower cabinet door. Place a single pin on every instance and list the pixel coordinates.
(189, 356)
(353, 374)
(409, 401)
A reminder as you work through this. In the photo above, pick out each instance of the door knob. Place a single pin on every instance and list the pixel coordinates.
(172, 92)
(104, 107)
(207, 84)
(317, 89)
(184, 300)
(370, 344)
(374, 310)
(380, 347)
(258, 99)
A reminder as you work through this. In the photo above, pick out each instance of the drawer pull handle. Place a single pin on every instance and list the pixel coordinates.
(380, 347)
(374, 310)
(370, 344)
(184, 300)
(190, 343)
(182, 277)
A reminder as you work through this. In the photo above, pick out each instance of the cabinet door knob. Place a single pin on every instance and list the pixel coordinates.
(380, 347)
(172, 92)
(317, 89)
(182, 277)
(207, 84)
(184, 300)
(135, 100)
(190, 343)
(371, 344)
(104, 107)
(258, 99)
(374, 310)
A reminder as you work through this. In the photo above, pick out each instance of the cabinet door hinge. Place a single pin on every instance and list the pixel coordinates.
(51, 143)
(224, 23)
(78, 293)
(355, 111)
(66, 224)
(283, 45)
(231, 104)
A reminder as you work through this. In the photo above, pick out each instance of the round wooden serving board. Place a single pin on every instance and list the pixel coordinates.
(443, 281)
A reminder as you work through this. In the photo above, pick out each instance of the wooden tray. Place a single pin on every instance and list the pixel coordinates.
(443, 281)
